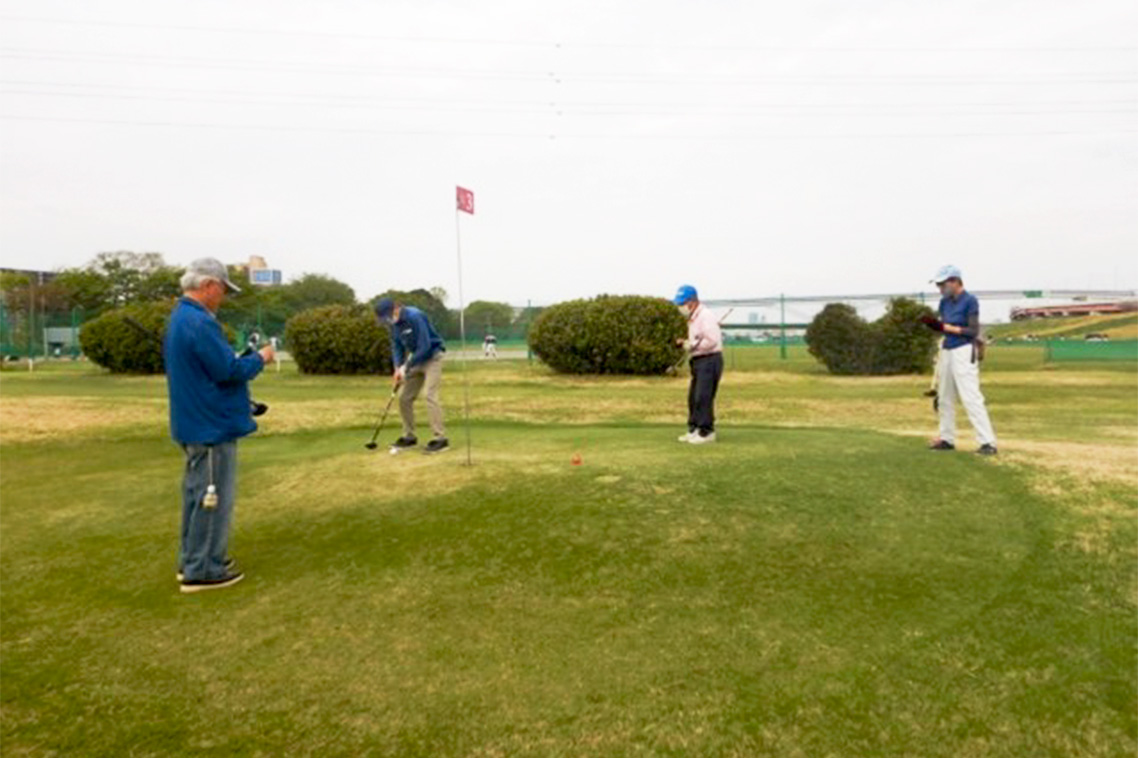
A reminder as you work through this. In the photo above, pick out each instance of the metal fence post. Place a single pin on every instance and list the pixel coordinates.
(75, 332)
(782, 326)
(529, 316)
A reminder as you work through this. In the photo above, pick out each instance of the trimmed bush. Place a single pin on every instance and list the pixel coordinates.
(112, 343)
(841, 340)
(897, 343)
(609, 334)
(904, 344)
(338, 339)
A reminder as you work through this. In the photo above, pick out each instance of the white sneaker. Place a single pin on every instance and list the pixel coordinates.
(698, 439)
(686, 437)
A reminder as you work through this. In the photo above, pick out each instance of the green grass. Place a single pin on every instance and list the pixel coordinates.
(815, 584)
(1118, 327)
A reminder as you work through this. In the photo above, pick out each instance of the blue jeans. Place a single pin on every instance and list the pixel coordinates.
(205, 531)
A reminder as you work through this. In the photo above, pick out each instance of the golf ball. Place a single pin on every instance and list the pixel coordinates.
(394, 451)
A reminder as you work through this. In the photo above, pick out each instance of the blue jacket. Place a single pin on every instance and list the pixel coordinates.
(963, 311)
(413, 335)
(209, 397)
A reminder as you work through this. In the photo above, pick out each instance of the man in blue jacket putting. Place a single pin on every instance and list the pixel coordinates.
(209, 412)
(417, 353)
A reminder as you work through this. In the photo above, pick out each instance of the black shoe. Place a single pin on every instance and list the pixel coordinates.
(942, 445)
(437, 445)
(228, 566)
(200, 585)
(987, 450)
(405, 442)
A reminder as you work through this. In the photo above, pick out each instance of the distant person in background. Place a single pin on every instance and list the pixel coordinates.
(417, 352)
(958, 364)
(705, 344)
(490, 346)
(209, 412)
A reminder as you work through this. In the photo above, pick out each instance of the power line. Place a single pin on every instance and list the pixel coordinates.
(558, 136)
(566, 109)
(557, 44)
(324, 96)
(1073, 77)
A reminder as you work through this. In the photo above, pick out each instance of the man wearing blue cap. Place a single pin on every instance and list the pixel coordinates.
(705, 343)
(417, 353)
(959, 362)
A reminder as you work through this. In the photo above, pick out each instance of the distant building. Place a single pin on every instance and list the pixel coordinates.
(35, 277)
(260, 274)
(1074, 309)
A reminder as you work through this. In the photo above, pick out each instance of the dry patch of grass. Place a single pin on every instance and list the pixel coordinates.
(1056, 378)
(356, 476)
(306, 415)
(34, 419)
(1085, 462)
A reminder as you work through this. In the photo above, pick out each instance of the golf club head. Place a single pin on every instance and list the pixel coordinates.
(371, 445)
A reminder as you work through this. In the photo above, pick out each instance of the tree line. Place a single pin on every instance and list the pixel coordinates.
(117, 279)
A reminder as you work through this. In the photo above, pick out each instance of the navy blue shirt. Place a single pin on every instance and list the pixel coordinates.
(209, 395)
(962, 311)
(413, 335)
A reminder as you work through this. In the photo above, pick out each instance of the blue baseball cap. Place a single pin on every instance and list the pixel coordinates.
(944, 273)
(685, 293)
(385, 307)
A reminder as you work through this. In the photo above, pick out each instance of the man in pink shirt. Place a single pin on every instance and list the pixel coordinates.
(705, 343)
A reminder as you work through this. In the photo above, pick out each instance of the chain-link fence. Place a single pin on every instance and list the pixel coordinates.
(1064, 351)
(40, 334)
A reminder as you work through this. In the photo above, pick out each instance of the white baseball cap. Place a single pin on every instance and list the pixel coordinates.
(944, 273)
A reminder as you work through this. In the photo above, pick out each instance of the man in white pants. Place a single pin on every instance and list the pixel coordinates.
(959, 362)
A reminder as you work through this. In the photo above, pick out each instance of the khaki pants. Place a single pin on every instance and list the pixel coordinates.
(431, 375)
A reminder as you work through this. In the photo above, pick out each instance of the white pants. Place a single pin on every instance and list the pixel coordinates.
(960, 377)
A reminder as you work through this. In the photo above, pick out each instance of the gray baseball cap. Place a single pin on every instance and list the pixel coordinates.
(214, 269)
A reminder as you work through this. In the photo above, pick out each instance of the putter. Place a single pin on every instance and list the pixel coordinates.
(372, 445)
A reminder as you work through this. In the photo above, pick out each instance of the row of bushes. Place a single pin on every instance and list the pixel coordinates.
(604, 335)
(607, 335)
(333, 339)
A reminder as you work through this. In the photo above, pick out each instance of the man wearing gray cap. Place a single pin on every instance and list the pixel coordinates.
(958, 364)
(209, 412)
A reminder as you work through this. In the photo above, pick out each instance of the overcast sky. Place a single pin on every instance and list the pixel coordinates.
(749, 148)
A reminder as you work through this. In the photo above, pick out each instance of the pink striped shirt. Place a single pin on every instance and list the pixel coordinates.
(704, 334)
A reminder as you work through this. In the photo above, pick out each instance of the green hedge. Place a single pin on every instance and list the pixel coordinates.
(338, 339)
(897, 343)
(112, 343)
(609, 334)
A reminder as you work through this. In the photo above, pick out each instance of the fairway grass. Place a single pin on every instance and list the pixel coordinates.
(816, 584)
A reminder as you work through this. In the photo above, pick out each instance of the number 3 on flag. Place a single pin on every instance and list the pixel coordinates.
(465, 200)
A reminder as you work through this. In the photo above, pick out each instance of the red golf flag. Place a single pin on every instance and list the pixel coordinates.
(465, 200)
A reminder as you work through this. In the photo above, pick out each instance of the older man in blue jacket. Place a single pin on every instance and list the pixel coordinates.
(209, 412)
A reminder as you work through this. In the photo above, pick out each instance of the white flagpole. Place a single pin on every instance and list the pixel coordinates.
(462, 336)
